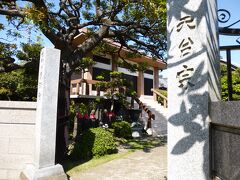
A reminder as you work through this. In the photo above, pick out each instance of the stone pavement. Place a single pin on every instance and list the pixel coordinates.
(140, 165)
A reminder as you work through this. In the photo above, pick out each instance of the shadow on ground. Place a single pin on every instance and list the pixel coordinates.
(145, 143)
(125, 147)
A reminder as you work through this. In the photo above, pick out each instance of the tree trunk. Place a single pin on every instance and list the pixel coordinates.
(63, 114)
(75, 128)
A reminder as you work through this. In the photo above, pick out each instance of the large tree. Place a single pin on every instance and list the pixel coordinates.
(18, 78)
(138, 25)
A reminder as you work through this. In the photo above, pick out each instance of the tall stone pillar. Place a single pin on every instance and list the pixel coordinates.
(140, 83)
(46, 119)
(193, 82)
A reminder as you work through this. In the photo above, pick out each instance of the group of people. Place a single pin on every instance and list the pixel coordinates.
(102, 118)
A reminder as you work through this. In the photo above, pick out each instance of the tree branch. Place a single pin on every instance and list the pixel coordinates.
(98, 9)
(13, 13)
(88, 45)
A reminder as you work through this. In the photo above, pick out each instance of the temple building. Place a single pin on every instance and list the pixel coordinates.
(83, 84)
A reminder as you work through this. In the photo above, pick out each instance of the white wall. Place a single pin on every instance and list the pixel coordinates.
(17, 136)
(103, 66)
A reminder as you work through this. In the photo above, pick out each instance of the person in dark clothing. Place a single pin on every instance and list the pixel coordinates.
(93, 119)
(105, 119)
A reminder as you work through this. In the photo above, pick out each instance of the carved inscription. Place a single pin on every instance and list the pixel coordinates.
(185, 46)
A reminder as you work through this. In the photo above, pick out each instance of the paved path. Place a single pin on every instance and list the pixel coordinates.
(159, 125)
(139, 165)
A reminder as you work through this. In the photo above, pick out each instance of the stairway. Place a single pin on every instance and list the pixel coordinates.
(159, 125)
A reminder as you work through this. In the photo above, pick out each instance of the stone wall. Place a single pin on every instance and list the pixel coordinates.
(17, 136)
(225, 133)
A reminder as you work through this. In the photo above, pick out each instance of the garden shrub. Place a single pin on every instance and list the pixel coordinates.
(95, 142)
(122, 129)
(72, 115)
(164, 93)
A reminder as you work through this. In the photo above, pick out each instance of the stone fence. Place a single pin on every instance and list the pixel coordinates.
(28, 129)
(225, 133)
(17, 136)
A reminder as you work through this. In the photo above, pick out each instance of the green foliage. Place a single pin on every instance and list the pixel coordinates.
(7, 50)
(141, 66)
(29, 57)
(117, 88)
(19, 81)
(104, 48)
(72, 112)
(131, 93)
(73, 167)
(95, 142)
(145, 144)
(100, 78)
(8, 85)
(6, 56)
(85, 63)
(122, 129)
(29, 52)
(164, 93)
(83, 108)
(137, 25)
(117, 82)
(72, 108)
(16, 85)
(235, 83)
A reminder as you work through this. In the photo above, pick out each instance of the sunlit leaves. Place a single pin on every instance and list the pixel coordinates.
(87, 15)
(16, 85)
(104, 48)
(18, 80)
(137, 25)
(29, 51)
(235, 83)
(36, 15)
(85, 63)
(7, 50)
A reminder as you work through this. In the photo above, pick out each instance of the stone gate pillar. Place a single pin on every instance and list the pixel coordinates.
(193, 82)
(44, 166)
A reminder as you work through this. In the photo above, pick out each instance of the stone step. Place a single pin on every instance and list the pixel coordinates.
(146, 97)
(159, 125)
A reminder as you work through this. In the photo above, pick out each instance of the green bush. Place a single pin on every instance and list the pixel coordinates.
(95, 142)
(122, 129)
(160, 99)
(235, 83)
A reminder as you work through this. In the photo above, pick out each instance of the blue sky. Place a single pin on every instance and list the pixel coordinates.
(33, 35)
(233, 7)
